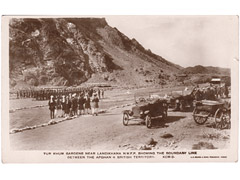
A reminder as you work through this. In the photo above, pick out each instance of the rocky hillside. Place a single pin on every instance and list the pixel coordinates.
(70, 51)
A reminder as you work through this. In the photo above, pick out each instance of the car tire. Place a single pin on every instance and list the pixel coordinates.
(199, 120)
(125, 119)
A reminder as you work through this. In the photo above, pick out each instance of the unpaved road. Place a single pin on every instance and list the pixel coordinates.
(106, 132)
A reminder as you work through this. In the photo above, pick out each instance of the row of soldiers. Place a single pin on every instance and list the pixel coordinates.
(45, 94)
(25, 94)
(73, 104)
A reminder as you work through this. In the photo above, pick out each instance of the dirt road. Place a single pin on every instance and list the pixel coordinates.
(106, 132)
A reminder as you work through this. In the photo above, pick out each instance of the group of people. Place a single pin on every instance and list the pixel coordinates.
(76, 104)
(211, 92)
(45, 93)
(26, 93)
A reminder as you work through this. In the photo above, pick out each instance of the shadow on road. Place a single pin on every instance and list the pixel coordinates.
(156, 123)
(185, 110)
(160, 123)
(107, 114)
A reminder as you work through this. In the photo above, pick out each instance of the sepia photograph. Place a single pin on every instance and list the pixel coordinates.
(120, 88)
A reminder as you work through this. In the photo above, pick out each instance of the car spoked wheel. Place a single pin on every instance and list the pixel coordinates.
(226, 124)
(222, 119)
(148, 121)
(218, 119)
(125, 119)
(200, 117)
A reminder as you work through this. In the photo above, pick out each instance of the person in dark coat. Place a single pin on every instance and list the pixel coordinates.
(68, 105)
(74, 105)
(81, 102)
(63, 102)
(87, 104)
(58, 110)
(52, 106)
(90, 92)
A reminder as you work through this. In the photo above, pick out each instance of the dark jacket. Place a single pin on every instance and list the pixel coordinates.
(68, 105)
(81, 102)
(87, 103)
(95, 102)
(52, 105)
(74, 103)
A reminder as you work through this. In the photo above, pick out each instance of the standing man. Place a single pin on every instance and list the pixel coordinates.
(52, 106)
(59, 107)
(87, 103)
(63, 105)
(95, 105)
(74, 105)
(90, 92)
(81, 102)
(67, 107)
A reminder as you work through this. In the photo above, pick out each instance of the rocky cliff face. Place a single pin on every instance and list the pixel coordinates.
(70, 51)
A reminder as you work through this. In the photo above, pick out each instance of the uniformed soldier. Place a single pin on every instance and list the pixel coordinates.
(67, 107)
(52, 106)
(63, 102)
(87, 104)
(74, 105)
(58, 110)
(95, 105)
(81, 102)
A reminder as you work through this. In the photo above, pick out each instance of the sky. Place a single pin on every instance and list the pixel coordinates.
(184, 40)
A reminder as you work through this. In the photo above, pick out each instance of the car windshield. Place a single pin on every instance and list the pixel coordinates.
(141, 97)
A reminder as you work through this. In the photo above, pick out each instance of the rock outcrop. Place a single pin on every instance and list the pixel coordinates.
(70, 51)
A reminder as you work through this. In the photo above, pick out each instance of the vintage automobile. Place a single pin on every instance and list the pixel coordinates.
(181, 100)
(146, 110)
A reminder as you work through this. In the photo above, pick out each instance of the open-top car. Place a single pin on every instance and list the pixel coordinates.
(182, 100)
(146, 110)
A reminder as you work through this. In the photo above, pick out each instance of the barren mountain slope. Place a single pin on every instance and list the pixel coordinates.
(67, 51)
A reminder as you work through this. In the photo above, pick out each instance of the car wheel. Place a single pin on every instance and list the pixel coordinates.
(125, 119)
(199, 119)
(222, 119)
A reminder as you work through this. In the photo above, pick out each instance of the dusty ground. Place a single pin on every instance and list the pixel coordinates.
(106, 131)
